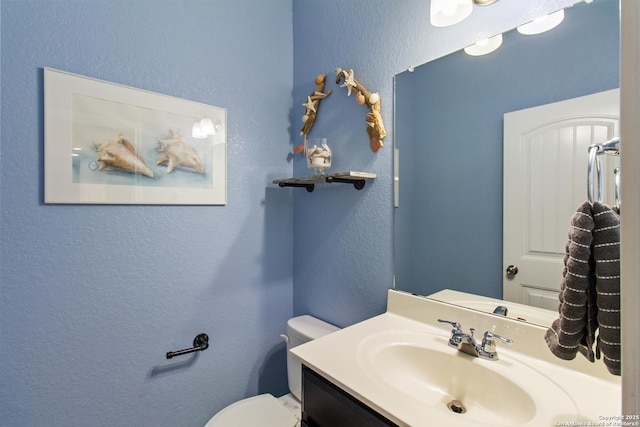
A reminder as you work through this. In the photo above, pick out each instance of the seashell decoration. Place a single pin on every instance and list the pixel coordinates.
(176, 153)
(319, 157)
(375, 127)
(121, 154)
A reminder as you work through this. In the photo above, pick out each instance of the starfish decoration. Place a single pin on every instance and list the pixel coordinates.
(309, 105)
(349, 81)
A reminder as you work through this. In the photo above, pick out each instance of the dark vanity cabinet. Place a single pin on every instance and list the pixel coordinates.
(326, 405)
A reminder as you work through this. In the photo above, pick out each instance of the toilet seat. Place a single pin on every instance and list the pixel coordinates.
(263, 410)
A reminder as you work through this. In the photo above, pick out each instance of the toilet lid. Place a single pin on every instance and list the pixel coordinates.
(263, 410)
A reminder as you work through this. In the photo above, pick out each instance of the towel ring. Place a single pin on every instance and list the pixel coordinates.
(616, 191)
(594, 172)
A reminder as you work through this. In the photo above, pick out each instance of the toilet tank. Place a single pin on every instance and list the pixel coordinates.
(300, 330)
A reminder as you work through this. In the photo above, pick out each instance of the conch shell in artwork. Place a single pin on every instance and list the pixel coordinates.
(176, 153)
(121, 154)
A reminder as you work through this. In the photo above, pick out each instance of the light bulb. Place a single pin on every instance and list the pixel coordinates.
(485, 46)
(542, 24)
(449, 9)
(448, 12)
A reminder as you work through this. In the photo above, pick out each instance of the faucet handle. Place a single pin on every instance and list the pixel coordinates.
(488, 346)
(488, 335)
(456, 325)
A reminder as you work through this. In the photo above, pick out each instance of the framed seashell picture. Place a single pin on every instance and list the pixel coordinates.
(106, 143)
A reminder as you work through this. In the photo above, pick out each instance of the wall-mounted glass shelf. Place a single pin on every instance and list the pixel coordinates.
(358, 180)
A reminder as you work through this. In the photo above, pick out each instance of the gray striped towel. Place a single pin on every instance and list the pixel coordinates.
(574, 330)
(606, 252)
(590, 291)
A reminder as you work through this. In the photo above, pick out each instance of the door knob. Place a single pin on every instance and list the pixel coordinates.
(512, 270)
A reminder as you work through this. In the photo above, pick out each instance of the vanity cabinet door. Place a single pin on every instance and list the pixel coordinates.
(325, 405)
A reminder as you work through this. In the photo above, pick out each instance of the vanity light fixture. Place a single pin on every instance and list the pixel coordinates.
(485, 46)
(444, 13)
(203, 128)
(448, 12)
(542, 24)
(484, 2)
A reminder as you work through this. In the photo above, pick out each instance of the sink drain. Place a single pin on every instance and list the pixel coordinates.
(456, 406)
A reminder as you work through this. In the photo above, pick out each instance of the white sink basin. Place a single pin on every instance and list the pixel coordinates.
(400, 364)
(426, 370)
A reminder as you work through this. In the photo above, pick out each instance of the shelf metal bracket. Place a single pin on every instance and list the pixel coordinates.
(357, 183)
(309, 187)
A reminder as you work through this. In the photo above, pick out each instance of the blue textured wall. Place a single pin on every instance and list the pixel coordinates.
(94, 296)
(343, 239)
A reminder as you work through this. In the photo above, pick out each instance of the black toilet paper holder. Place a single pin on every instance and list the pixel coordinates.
(200, 343)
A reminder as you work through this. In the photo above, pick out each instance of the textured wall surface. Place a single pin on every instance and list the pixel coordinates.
(92, 297)
(343, 239)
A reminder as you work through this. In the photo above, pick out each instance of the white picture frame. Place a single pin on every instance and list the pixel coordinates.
(97, 133)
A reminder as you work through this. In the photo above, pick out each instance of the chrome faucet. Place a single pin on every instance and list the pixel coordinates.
(466, 343)
(501, 310)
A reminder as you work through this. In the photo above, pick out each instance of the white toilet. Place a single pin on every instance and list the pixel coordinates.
(265, 410)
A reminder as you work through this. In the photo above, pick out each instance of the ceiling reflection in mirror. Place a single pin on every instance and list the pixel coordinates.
(449, 140)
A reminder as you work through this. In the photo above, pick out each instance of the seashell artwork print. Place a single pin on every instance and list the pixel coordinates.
(176, 153)
(121, 154)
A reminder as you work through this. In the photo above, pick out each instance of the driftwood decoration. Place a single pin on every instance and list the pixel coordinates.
(312, 105)
(375, 130)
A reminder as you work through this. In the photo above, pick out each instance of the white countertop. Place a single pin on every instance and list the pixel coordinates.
(338, 357)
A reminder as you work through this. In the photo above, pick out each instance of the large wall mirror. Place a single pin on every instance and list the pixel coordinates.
(449, 128)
